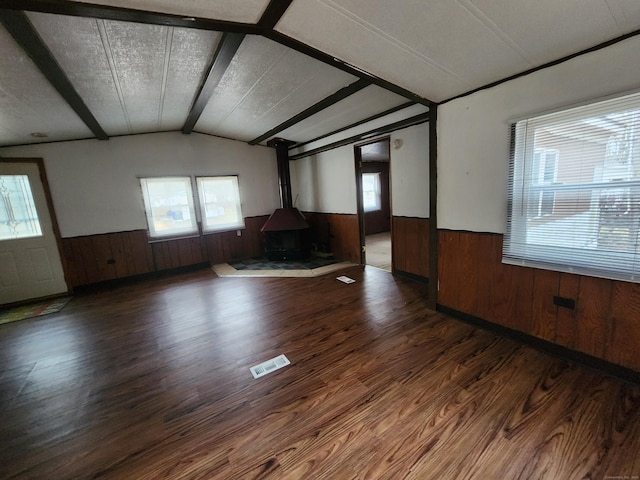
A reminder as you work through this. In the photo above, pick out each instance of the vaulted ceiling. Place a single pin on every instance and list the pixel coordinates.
(253, 70)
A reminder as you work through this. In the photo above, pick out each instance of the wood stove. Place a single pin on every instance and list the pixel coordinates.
(287, 235)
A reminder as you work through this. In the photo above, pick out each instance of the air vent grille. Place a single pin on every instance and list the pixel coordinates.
(269, 366)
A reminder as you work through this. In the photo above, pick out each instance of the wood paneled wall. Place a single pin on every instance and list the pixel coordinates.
(410, 243)
(472, 279)
(97, 258)
(337, 233)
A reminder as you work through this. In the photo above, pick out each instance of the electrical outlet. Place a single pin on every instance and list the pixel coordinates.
(569, 303)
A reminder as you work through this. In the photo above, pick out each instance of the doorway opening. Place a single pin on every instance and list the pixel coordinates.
(373, 162)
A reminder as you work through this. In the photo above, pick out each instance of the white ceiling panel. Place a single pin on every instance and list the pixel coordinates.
(626, 14)
(550, 29)
(331, 30)
(190, 55)
(137, 56)
(77, 46)
(363, 104)
(265, 85)
(29, 104)
(442, 48)
(248, 11)
(133, 78)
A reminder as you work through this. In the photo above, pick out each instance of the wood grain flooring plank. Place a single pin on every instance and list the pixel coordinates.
(151, 380)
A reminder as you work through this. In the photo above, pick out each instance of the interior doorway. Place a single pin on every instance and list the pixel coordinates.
(373, 162)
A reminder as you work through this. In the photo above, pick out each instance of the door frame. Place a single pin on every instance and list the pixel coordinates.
(54, 220)
(357, 154)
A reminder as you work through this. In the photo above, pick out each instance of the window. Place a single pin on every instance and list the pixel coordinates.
(371, 192)
(18, 215)
(220, 203)
(169, 206)
(574, 190)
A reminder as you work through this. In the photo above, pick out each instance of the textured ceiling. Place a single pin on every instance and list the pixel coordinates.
(152, 72)
(443, 48)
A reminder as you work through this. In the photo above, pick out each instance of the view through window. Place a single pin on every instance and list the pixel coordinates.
(18, 215)
(574, 190)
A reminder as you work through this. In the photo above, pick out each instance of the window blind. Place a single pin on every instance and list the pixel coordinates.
(574, 190)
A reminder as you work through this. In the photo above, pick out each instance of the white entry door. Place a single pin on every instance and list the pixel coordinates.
(30, 264)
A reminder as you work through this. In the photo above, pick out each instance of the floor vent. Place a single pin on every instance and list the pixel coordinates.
(269, 366)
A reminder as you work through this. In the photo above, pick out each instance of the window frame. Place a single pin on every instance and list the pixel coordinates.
(611, 264)
(377, 191)
(191, 232)
(202, 206)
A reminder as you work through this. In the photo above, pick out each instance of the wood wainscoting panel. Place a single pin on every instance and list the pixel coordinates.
(96, 258)
(224, 247)
(544, 312)
(180, 252)
(604, 323)
(338, 233)
(410, 243)
(468, 272)
(624, 344)
(566, 334)
(448, 274)
(511, 289)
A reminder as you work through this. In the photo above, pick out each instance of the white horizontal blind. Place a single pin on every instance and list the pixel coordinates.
(574, 191)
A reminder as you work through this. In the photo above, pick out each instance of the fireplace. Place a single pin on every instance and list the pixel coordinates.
(287, 235)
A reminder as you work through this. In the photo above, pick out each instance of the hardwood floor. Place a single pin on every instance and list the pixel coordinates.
(152, 381)
(379, 250)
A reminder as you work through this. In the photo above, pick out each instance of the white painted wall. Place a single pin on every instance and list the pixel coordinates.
(473, 131)
(94, 183)
(410, 172)
(326, 182)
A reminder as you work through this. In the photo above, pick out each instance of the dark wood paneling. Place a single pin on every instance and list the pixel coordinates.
(468, 274)
(177, 253)
(566, 334)
(96, 258)
(337, 233)
(624, 344)
(485, 274)
(544, 312)
(227, 246)
(504, 288)
(592, 315)
(604, 323)
(410, 243)
(448, 275)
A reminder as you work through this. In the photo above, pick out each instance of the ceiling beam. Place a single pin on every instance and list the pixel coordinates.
(21, 29)
(376, 132)
(273, 13)
(313, 109)
(357, 124)
(222, 57)
(107, 12)
(270, 18)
